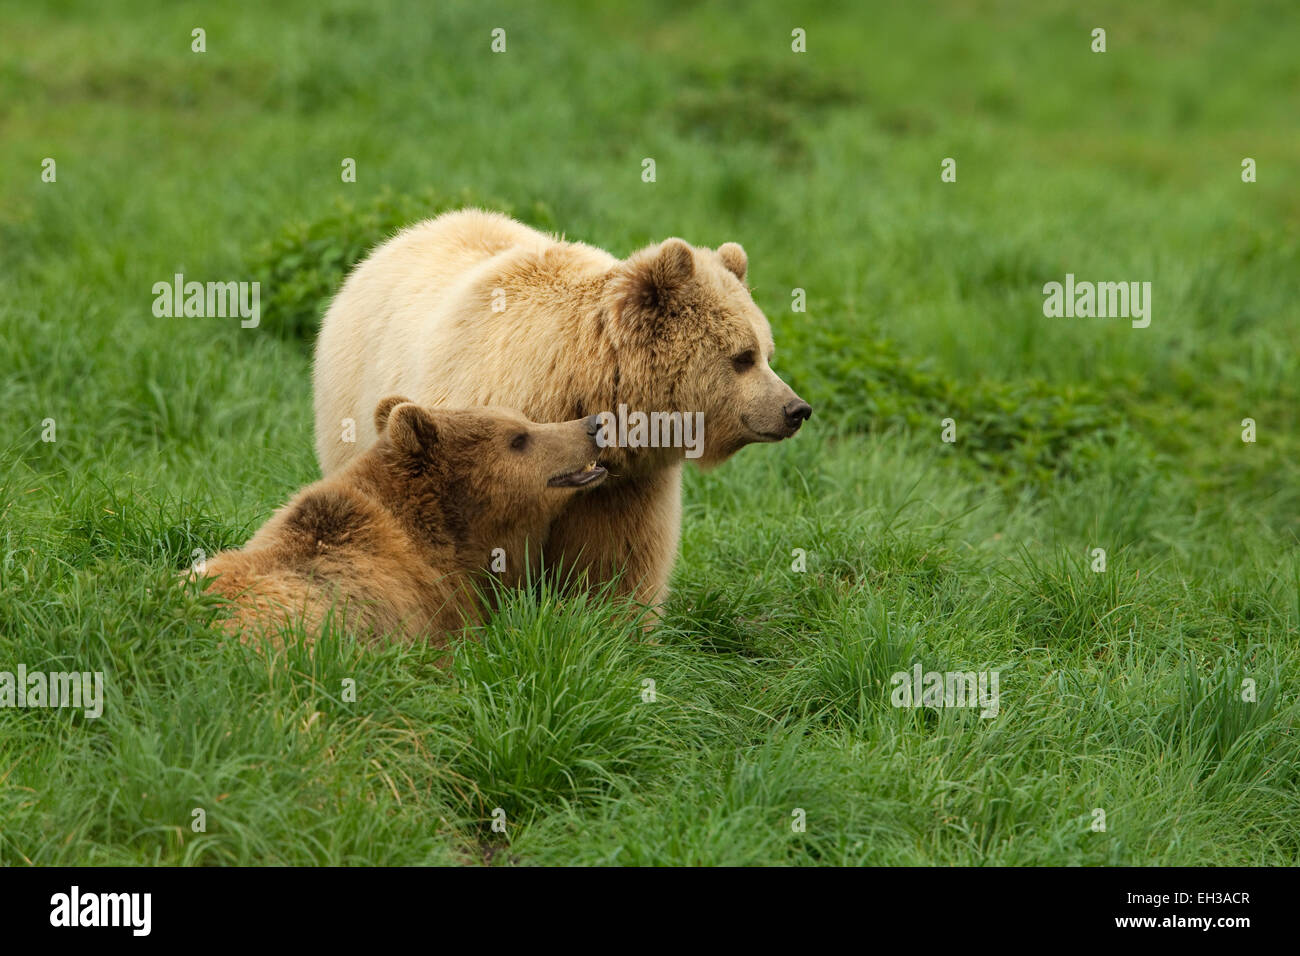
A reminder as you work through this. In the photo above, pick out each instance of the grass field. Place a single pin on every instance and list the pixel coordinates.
(1124, 690)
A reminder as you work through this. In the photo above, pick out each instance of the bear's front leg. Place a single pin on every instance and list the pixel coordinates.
(629, 528)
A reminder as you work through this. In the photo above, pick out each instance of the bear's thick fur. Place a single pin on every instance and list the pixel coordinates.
(396, 541)
(473, 308)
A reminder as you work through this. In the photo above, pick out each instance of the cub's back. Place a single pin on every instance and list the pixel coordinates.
(332, 548)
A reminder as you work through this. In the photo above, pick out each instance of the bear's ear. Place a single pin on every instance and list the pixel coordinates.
(384, 409)
(657, 275)
(412, 429)
(734, 258)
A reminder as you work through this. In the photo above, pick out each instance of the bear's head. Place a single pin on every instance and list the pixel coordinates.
(479, 478)
(690, 339)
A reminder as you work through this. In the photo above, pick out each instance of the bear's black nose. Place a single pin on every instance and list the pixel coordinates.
(796, 413)
(593, 425)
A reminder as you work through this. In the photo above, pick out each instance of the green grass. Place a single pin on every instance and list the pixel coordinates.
(1120, 690)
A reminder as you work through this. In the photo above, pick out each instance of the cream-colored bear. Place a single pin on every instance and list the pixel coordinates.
(473, 308)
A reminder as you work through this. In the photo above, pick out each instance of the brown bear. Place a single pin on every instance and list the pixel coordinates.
(473, 308)
(401, 541)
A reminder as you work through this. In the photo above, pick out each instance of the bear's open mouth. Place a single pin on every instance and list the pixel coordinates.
(592, 472)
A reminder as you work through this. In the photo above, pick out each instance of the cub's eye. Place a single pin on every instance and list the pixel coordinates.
(520, 441)
(744, 361)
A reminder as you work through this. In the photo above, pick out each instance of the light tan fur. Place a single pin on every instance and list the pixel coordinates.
(473, 308)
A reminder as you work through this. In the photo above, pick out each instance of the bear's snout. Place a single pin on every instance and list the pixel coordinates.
(796, 413)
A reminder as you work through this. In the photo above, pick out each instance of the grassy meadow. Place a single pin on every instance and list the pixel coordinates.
(1161, 691)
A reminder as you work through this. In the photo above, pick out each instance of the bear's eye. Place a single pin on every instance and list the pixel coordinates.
(744, 361)
(520, 441)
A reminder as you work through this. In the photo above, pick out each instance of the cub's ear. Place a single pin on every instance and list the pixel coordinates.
(384, 409)
(412, 429)
(734, 258)
(656, 275)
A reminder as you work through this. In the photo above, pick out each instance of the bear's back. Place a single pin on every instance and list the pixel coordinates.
(334, 548)
(451, 311)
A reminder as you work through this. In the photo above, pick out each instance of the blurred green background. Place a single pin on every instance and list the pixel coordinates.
(924, 302)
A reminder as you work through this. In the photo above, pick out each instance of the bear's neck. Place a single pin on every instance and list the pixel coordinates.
(452, 531)
(436, 530)
(604, 381)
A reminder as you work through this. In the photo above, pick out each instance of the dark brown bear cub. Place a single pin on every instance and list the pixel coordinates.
(395, 542)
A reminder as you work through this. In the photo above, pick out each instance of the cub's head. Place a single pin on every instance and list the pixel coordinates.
(481, 474)
(691, 339)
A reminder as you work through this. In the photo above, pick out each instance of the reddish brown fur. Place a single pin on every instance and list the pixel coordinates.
(396, 542)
